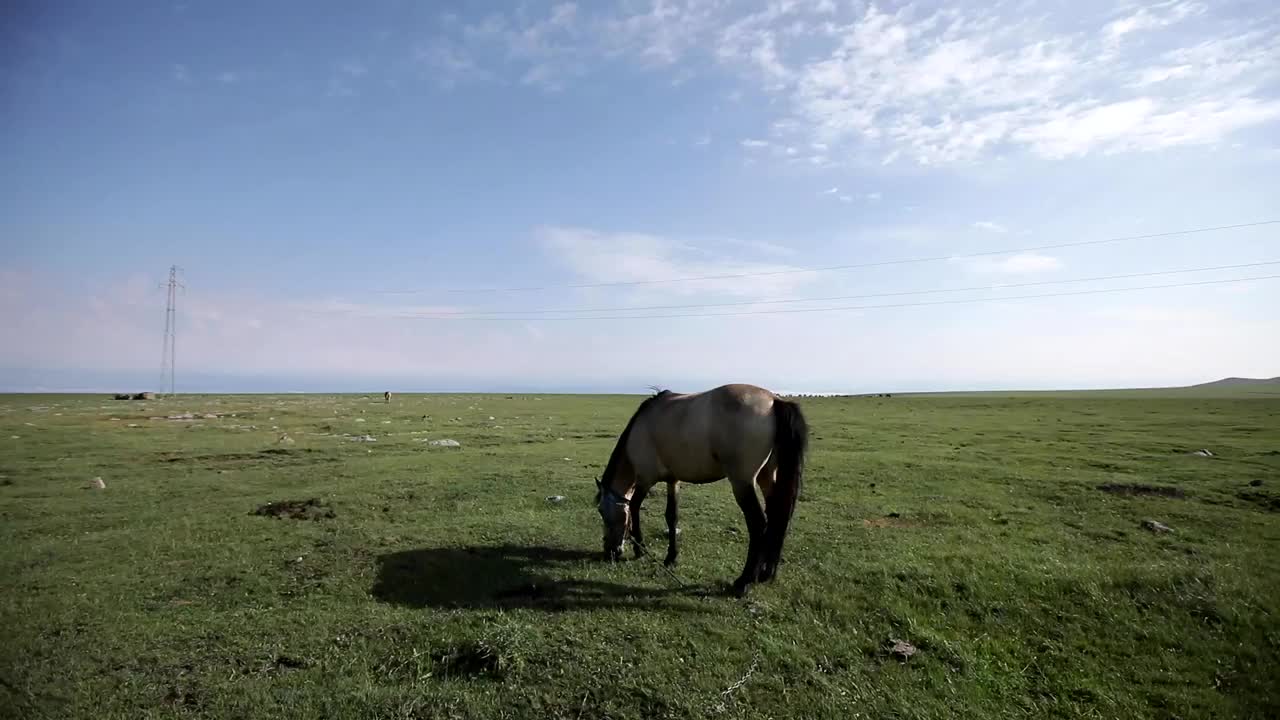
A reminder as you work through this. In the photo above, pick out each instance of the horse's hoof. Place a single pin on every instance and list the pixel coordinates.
(739, 588)
(670, 561)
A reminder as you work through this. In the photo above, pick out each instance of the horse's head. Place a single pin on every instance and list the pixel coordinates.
(615, 511)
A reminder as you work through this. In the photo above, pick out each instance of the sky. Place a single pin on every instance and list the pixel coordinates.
(423, 196)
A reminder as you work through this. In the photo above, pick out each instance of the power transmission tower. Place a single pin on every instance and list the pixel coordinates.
(169, 354)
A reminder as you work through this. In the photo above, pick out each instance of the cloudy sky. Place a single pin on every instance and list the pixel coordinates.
(435, 195)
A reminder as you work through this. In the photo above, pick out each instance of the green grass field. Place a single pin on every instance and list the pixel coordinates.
(435, 582)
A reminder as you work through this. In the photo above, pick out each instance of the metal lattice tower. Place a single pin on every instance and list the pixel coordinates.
(169, 354)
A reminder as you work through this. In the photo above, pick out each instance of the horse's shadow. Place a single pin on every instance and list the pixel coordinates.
(510, 576)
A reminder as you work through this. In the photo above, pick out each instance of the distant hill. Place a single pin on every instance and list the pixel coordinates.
(1226, 388)
(1239, 382)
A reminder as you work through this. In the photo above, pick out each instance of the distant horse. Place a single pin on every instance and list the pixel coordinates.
(386, 397)
(743, 432)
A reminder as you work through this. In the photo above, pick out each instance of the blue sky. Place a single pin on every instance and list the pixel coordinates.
(340, 181)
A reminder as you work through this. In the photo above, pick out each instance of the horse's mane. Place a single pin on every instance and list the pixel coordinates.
(620, 449)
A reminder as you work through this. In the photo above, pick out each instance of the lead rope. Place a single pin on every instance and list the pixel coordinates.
(755, 663)
(645, 553)
(720, 706)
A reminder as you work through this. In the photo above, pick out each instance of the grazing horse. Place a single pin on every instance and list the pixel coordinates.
(386, 397)
(742, 432)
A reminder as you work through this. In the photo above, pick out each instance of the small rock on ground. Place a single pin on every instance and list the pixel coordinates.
(901, 649)
(555, 499)
(1155, 527)
(1202, 453)
(445, 443)
(97, 484)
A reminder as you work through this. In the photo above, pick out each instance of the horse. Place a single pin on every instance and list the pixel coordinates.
(386, 397)
(741, 432)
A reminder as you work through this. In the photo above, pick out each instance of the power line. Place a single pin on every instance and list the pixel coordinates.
(959, 301)
(739, 303)
(831, 268)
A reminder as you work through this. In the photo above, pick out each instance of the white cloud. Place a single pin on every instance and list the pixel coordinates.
(1020, 264)
(753, 40)
(552, 48)
(758, 246)
(990, 226)
(912, 83)
(449, 66)
(1142, 124)
(604, 257)
(661, 34)
(1225, 60)
(335, 306)
(1154, 75)
(1150, 18)
(952, 86)
(849, 197)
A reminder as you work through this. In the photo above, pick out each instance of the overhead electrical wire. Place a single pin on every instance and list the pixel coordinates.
(831, 268)
(826, 298)
(958, 301)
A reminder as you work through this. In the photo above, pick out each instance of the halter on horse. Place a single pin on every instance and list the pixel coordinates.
(742, 432)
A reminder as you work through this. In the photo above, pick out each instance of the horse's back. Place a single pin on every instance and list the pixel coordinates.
(700, 437)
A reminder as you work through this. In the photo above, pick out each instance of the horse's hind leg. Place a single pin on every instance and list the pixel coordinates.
(672, 516)
(637, 497)
(770, 554)
(744, 491)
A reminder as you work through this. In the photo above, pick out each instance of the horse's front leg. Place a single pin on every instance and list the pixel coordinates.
(672, 517)
(637, 497)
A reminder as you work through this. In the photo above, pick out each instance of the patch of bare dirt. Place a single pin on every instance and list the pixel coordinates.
(1138, 489)
(475, 659)
(892, 520)
(275, 456)
(1265, 500)
(310, 509)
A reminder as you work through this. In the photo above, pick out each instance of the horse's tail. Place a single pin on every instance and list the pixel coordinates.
(790, 442)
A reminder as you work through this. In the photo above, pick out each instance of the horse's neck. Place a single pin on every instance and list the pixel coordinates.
(624, 478)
